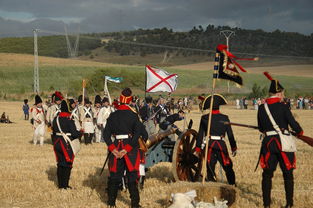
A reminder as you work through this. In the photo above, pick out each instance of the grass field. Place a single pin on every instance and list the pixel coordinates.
(16, 76)
(28, 176)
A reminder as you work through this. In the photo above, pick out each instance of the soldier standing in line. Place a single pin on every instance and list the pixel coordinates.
(86, 116)
(125, 127)
(38, 117)
(62, 149)
(96, 111)
(217, 149)
(104, 114)
(146, 114)
(271, 150)
(162, 109)
(54, 109)
(75, 117)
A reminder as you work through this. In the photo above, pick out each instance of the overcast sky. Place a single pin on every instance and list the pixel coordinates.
(19, 17)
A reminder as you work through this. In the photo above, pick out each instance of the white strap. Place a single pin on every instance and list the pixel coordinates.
(74, 114)
(276, 127)
(87, 112)
(62, 133)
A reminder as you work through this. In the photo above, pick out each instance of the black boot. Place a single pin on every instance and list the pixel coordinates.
(267, 176)
(67, 177)
(112, 192)
(134, 194)
(142, 182)
(289, 185)
(230, 175)
(61, 177)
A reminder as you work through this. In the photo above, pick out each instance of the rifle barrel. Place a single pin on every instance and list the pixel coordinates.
(242, 125)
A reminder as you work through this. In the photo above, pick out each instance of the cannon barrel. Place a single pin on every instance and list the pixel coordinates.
(154, 139)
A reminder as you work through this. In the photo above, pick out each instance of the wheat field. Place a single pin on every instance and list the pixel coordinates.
(28, 172)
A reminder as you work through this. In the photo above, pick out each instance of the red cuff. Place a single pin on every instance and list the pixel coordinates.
(198, 149)
(233, 149)
(111, 147)
(128, 148)
(301, 133)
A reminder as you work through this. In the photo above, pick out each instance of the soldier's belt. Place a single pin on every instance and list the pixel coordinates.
(216, 137)
(67, 134)
(122, 136)
(272, 133)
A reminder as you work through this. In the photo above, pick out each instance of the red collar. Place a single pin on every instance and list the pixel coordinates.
(272, 100)
(216, 112)
(64, 114)
(123, 107)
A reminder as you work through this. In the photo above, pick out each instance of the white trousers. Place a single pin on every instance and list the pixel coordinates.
(98, 134)
(39, 133)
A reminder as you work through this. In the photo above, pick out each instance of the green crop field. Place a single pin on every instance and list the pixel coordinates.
(16, 79)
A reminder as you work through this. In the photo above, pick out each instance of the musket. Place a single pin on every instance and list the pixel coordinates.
(152, 116)
(105, 162)
(303, 138)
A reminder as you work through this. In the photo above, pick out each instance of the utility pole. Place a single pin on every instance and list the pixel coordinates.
(36, 65)
(227, 34)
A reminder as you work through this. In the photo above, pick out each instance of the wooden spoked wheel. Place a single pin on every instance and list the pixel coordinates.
(186, 165)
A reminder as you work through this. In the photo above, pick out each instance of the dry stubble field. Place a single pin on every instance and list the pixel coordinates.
(28, 172)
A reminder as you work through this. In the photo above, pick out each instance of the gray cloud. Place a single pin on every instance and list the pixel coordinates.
(115, 15)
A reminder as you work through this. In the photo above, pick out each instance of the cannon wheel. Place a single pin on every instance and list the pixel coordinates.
(186, 165)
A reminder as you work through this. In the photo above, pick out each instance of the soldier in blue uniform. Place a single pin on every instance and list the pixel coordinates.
(124, 126)
(217, 150)
(271, 150)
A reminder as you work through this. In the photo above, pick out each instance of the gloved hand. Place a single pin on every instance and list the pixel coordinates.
(234, 153)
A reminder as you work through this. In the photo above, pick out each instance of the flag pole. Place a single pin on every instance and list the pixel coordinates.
(106, 90)
(84, 85)
(145, 81)
(215, 76)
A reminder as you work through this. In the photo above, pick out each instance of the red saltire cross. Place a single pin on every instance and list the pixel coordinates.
(161, 79)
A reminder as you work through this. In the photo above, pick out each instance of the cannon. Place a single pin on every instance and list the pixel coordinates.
(186, 166)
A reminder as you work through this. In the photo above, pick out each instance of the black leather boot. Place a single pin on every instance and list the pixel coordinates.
(112, 192)
(267, 176)
(289, 186)
(134, 195)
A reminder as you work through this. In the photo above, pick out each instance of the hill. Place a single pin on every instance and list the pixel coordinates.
(163, 46)
(16, 78)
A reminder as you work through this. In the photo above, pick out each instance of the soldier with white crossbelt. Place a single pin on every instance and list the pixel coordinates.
(38, 118)
(104, 114)
(54, 109)
(86, 116)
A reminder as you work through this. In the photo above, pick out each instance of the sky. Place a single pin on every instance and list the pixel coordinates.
(20, 17)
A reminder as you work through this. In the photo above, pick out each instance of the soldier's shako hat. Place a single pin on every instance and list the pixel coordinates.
(37, 99)
(148, 99)
(105, 99)
(87, 101)
(217, 101)
(98, 99)
(58, 96)
(65, 106)
(80, 98)
(126, 96)
(71, 101)
(275, 86)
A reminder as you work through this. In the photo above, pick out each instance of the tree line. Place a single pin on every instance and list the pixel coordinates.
(276, 43)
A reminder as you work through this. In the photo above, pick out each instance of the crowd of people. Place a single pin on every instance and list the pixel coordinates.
(121, 124)
(302, 103)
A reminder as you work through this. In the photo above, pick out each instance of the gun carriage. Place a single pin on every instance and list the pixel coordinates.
(186, 166)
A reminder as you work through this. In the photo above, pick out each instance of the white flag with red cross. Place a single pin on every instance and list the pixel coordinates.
(159, 80)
